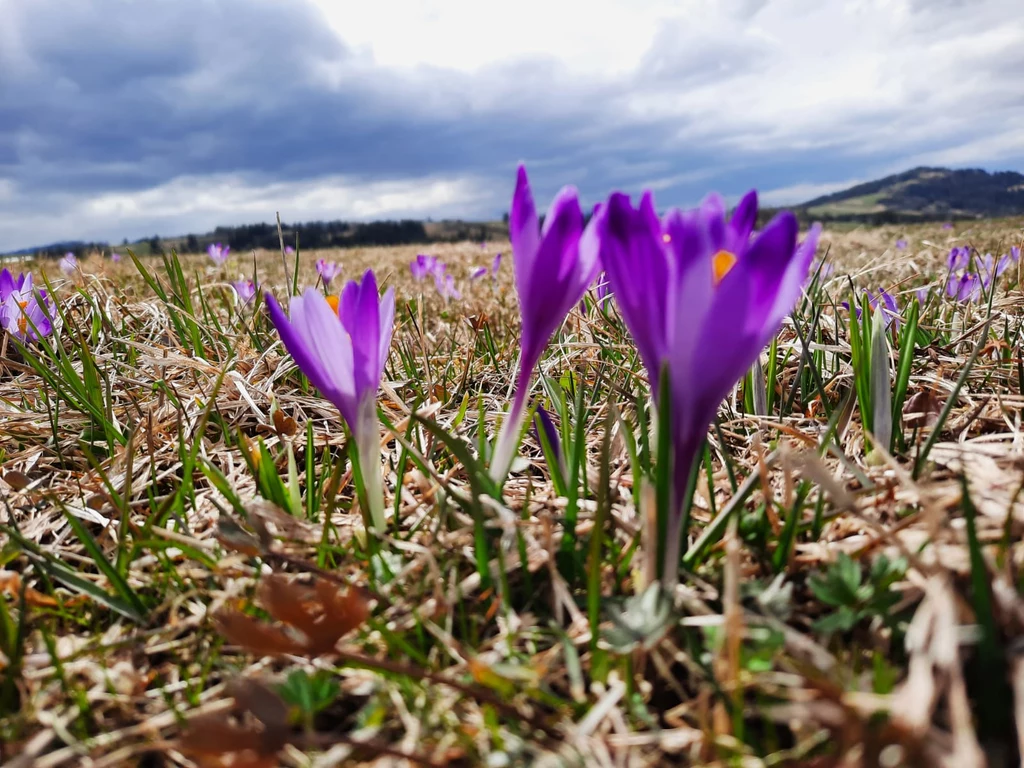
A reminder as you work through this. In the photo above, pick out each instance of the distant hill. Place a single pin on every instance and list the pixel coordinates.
(924, 194)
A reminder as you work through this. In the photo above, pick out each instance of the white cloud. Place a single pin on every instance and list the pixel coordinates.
(599, 38)
(828, 74)
(795, 194)
(993, 148)
(754, 75)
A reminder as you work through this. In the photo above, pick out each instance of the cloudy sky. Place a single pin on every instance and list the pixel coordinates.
(124, 118)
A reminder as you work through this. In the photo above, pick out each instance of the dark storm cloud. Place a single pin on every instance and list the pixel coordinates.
(120, 95)
(114, 96)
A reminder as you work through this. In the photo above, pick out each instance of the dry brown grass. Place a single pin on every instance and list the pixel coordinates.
(450, 671)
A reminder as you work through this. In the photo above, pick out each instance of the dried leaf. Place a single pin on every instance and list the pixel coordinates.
(284, 425)
(234, 537)
(215, 734)
(922, 408)
(249, 735)
(255, 636)
(265, 705)
(312, 618)
(19, 481)
(10, 583)
(261, 512)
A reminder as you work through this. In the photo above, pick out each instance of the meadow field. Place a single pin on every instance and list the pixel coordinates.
(188, 577)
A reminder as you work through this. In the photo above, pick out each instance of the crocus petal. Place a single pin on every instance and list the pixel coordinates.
(550, 434)
(523, 230)
(743, 220)
(331, 344)
(387, 327)
(635, 262)
(794, 278)
(7, 284)
(770, 258)
(321, 349)
(360, 314)
(690, 291)
(559, 277)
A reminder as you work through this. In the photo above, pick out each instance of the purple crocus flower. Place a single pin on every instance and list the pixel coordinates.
(901, 244)
(68, 264)
(115, 257)
(477, 273)
(341, 343)
(245, 290)
(219, 253)
(604, 291)
(989, 268)
(551, 435)
(24, 314)
(947, 225)
(890, 309)
(444, 281)
(9, 283)
(328, 270)
(289, 251)
(958, 258)
(921, 294)
(1014, 253)
(701, 300)
(423, 265)
(552, 270)
(965, 288)
(495, 265)
(953, 285)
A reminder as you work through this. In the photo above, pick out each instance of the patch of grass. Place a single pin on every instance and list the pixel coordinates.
(165, 465)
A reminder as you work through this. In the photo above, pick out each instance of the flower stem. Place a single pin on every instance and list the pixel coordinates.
(687, 464)
(508, 438)
(368, 449)
(374, 489)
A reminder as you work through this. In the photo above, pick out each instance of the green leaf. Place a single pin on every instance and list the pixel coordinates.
(905, 365)
(95, 552)
(640, 621)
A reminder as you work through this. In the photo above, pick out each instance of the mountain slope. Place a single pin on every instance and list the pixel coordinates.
(926, 193)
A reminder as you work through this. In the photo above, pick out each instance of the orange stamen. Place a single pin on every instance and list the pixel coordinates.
(722, 262)
(333, 301)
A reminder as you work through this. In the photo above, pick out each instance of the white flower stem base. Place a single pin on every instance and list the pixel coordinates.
(368, 448)
(508, 438)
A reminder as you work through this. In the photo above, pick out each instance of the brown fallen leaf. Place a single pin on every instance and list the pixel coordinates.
(922, 409)
(234, 537)
(19, 481)
(258, 637)
(10, 583)
(284, 425)
(249, 735)
(312, 618)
